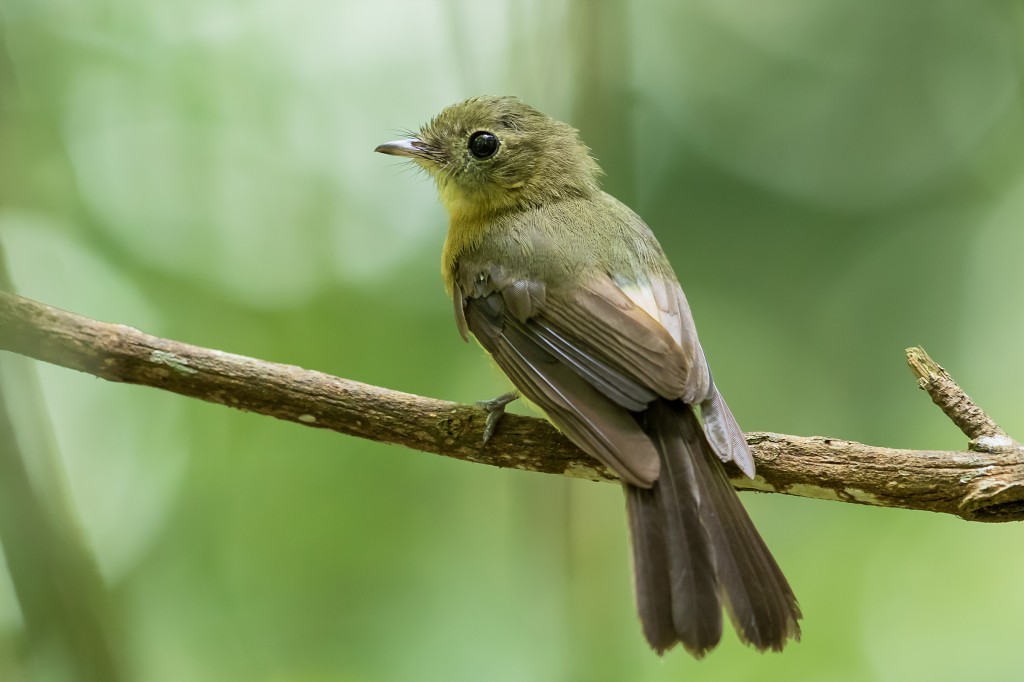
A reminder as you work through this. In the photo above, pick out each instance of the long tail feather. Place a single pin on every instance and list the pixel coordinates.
(694, 544)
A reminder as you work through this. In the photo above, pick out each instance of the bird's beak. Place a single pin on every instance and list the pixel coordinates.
(411, 147)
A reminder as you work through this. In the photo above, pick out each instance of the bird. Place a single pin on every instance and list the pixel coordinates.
(572, 296)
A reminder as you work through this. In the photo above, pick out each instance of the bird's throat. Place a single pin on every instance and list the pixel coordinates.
(465, 232)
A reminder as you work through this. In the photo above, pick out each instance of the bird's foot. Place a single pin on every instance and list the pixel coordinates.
(495, 411)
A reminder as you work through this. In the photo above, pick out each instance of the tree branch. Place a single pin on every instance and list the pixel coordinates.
(932, 378)
(980, 484)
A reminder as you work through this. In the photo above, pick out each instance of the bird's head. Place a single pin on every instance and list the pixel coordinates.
(491, 154)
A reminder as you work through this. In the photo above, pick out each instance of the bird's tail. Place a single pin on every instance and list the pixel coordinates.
(695, 549)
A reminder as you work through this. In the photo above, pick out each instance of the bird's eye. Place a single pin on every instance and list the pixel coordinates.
(483, 144)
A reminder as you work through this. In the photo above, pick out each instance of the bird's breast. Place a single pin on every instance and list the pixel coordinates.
(465, 236)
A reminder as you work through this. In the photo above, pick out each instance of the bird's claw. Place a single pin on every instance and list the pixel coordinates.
(495, 411)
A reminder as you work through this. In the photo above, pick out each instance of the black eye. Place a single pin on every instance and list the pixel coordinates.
(483, 144)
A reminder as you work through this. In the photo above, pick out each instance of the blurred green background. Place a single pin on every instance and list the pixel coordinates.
(833, 182)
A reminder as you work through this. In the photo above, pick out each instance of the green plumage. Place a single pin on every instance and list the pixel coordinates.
(571, 294)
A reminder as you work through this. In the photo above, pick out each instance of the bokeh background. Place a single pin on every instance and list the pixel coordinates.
(833, 182)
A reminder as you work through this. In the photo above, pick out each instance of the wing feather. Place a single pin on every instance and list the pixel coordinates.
(585, 415)
(603, 347)
(602, 321)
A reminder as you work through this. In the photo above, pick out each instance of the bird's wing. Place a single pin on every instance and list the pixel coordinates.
(588, 359)
(640, 328)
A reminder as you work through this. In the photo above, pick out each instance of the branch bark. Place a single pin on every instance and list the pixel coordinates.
(957, 405)
(982, 484)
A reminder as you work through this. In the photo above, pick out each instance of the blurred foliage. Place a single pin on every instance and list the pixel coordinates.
(833, 181)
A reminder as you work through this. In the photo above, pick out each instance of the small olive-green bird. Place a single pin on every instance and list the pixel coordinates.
(572, 296)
